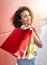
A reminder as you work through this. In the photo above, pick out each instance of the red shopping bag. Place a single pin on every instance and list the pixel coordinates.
(17, 41)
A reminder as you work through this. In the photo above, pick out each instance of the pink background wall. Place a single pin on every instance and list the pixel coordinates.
(7, 8)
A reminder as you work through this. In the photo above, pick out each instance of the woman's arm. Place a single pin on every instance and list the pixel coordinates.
(37, 39)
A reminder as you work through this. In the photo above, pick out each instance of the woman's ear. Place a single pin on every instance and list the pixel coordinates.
(20, 20)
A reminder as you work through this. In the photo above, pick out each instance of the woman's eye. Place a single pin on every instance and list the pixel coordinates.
(25, 16)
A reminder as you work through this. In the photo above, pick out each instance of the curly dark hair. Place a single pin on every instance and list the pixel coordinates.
(17, 16)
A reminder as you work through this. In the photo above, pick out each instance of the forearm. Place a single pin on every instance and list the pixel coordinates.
(37, 41)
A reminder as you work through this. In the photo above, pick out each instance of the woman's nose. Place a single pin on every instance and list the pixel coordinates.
(28, 17)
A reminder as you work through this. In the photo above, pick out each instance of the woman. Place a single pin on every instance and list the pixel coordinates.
(23, 18)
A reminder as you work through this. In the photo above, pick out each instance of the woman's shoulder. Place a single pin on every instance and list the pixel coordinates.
(23, 27)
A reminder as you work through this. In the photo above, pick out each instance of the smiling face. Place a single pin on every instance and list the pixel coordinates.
(25, 18)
